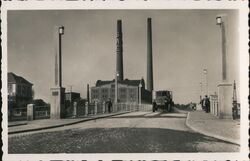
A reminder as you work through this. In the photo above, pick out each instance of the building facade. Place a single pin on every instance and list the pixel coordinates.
(19, 91)
(128, 91)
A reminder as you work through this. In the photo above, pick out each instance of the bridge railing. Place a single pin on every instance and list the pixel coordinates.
(101, 108)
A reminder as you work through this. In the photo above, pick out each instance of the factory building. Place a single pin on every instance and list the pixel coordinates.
(127, 90)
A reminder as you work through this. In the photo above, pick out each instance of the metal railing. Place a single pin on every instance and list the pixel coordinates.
(101, 108)
(16, 114)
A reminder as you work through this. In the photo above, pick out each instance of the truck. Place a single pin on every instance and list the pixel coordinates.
(163, 100)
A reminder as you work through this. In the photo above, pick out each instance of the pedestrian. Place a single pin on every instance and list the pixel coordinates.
(201, 103)
(191, 106)
(166, 103)
(195, 106)
(207, 104)
(154, 106)
(109, 103)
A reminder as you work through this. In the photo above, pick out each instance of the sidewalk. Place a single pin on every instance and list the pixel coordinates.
(36, 125)
(207, 124)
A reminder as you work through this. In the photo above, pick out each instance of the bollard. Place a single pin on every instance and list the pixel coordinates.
(86, 108)
(74, 110)
(103, 107)
(30, 114)
(95, 110)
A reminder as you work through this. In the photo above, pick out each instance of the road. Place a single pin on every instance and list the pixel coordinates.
(137, 132)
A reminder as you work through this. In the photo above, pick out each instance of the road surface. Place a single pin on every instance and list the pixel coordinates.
(136, 132)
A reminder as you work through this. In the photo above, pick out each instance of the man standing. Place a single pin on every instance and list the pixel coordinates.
(207, 104)
(109, 103)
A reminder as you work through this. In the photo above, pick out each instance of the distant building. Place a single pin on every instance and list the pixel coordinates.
(128, 91)
(72, 96)
(19, 91)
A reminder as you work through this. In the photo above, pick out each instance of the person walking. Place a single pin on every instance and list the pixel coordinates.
(154, 106)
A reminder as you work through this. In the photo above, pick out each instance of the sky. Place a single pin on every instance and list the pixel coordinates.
(184, 43)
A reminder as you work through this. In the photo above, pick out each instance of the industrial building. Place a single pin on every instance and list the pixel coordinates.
(127, 90)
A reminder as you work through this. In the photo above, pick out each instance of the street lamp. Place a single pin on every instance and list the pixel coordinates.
(61, 30)
(218, 20)
(206, 83)
(201, 91)
(221, 23)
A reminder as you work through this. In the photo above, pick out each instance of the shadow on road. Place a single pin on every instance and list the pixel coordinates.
(110, 140)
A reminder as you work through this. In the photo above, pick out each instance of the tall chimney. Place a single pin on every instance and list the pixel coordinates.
(150, 82)
(119, 52)
(88, 93)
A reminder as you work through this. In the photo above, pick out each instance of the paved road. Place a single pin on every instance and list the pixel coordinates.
(136, 132)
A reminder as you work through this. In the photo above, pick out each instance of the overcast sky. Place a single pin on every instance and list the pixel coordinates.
(184, 43)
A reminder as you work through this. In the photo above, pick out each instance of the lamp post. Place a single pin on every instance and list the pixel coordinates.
(60, 32)
(206, 83)
(225, 89)
(57, 92)
(221, 23)
(201, 91)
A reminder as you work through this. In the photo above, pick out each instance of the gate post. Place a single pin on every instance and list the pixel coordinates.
(95, 110)
(30, 112)
(103, 107)
(75, 109)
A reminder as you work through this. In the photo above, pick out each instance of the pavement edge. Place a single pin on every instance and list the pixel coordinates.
(66, 124)
(209, 134)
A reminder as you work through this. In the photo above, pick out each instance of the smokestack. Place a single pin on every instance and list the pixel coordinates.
(119, 52)
(88, 93)
(150, 82)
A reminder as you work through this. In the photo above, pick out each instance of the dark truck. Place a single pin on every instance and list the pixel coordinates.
(164, 100)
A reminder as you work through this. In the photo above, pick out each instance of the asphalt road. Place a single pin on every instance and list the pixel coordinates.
(137, 132)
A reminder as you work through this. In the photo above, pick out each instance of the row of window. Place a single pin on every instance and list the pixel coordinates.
(121, 90)
(21, 90)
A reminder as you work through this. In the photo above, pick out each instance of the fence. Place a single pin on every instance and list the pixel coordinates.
(41, 112)
(214, 107)
(20, 114)
(101, 108)
(17, 114)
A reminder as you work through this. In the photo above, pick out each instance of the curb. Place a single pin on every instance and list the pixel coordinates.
(66, 124)
(17, 124)
(209, 134)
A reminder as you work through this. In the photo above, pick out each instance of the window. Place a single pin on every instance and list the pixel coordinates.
(10, 90)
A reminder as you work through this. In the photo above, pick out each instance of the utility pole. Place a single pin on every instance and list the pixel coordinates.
(70, 94)
(201, 90)
(206, 82)
(140, 85)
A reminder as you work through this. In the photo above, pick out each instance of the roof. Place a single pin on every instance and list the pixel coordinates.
(125, 81)
(13, 78)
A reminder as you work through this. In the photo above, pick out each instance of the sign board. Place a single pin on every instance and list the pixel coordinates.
(55, 93)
